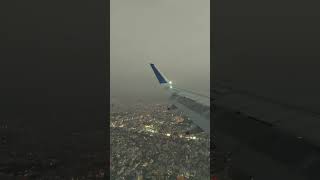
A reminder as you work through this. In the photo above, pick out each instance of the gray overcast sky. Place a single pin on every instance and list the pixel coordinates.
(173, 34)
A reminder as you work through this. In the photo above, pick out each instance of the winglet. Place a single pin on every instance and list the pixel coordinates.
(161, 78)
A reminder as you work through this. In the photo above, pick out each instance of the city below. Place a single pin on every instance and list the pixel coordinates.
(152, 142)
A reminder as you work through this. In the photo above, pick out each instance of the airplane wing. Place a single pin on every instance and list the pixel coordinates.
(194, 105)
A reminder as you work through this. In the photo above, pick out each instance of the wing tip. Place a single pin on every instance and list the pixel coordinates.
(160, 77)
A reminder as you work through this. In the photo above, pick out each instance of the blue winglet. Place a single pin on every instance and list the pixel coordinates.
(159, 76)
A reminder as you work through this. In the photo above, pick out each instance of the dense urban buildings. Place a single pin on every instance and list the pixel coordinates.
(152, 141)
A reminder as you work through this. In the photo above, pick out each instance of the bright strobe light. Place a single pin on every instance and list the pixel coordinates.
(170, 82)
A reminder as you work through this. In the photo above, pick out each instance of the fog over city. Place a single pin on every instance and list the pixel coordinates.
(174, 35)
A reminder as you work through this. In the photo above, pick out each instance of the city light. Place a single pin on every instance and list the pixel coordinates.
(192, 137)
(149, 129)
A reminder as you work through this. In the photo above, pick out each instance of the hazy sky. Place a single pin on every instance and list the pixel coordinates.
(173, 34)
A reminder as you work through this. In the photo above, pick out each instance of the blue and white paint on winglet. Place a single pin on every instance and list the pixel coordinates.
(161, 78)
